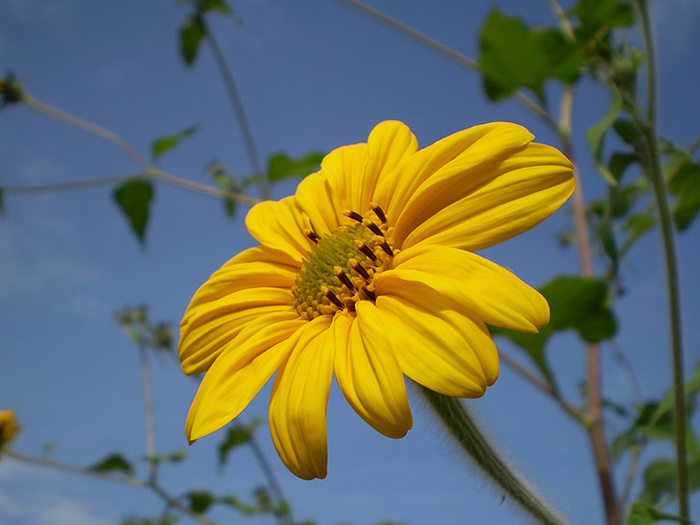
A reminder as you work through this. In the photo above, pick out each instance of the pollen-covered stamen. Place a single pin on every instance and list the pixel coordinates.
(367, 251)
(387, 249)
(355, 265)
(312, 236)
(341, 267)
(369, 293)
(378, 212)
(343, 278)
(372, 226)
(332, 297)
(353, 215)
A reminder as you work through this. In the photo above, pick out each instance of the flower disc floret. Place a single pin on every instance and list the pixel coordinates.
(341, 267)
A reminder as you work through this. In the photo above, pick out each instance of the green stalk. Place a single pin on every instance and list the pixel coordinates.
(654, 172)
(469, 437)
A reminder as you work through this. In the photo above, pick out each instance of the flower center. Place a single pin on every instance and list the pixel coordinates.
(340, 269)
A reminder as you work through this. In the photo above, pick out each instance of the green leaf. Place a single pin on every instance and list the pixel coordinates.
(213, 5)
(162, 145)
(219, 174)
(576, 303)
(234, 502)
(514, 56)
(134, 199)
(596, 134)
(640, 514)
(237, 435)
(192, 33)
(619, 162)
(282, 166)
(173, 457)
(636, 226)
(595, 15)
(684, 183)
(113, 462)
(200, 501)
(629, 132)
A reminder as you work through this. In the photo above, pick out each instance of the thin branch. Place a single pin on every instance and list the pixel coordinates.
(444, 50)
(176, 504)
(238, 109)
(695, 144)
(124, 480)
(106, 134)
(287, 518)
(149, 414)
(156, 174)
(596, 428)
(42, 462)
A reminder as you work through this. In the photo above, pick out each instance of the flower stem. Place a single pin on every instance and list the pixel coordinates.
(654, 172)
(469, 437)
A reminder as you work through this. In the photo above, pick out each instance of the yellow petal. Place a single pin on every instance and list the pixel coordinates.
(255, 283)
(238, 374)
(280, 225)
(210, 329)
(521, 192)
(492, 293)
(345, 169)
(368, 373)
(255, 267)
(314, 198)
(441, 159)
(437, 343)
(299, 401)
(388, 145)
(354, 171)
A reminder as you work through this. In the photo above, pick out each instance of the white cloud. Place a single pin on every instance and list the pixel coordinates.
(28, 266)
(54, 15)
(33, 496)
(67, 512)
(9, 507)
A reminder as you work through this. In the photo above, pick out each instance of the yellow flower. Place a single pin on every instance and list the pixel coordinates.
(8, 427)
(367, 273)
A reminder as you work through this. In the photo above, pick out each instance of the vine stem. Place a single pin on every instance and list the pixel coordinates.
(673, 288)
(153, 173)
(76, 122)
(238, 108)
(456, 419)
(595, 426)
(444, 50)
(150, 171)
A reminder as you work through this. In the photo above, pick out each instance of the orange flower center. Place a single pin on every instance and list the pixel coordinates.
(341, 267)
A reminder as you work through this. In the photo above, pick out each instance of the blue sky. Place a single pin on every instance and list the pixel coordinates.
(313, 75)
